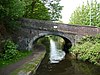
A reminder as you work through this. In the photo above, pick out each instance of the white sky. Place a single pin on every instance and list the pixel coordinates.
(69, 7)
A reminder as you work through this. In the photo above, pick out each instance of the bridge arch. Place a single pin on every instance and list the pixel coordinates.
(32, 29)
(67, 39)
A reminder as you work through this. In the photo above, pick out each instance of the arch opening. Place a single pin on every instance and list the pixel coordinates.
(67, 45)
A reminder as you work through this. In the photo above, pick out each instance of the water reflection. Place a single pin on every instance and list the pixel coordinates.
(67, 67)
(55, 54)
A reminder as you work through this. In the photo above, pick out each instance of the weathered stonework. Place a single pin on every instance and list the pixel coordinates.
(34, 29)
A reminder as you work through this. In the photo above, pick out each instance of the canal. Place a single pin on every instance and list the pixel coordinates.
(67, 67)
(57, 63)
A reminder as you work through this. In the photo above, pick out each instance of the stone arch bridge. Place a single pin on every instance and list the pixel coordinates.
(34, 29)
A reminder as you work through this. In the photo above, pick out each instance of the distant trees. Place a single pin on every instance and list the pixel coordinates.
(85, 14)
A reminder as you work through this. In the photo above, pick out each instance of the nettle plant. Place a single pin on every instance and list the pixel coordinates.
(10, 50)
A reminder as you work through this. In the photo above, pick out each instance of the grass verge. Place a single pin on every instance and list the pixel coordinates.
(30, 66)
(19, 56)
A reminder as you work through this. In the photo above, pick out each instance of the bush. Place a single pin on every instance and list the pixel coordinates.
(88, 49)
(9, 50)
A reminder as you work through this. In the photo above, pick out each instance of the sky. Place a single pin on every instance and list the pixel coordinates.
(69, 7)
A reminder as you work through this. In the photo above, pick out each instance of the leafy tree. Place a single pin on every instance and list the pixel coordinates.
(54, 8)
(44, 10)
(37, 10)
(30, 4)
(11, 10)
(82, 14)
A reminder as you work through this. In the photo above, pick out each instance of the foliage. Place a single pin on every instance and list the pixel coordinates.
(37, 10)
(59, 41)
(10, 10)
(44, 10)
(9, 50)
(19, 56)
(44, 41)
(54, 8)
(88, 49)
(31, 65)
(83, 13)
(12, 25)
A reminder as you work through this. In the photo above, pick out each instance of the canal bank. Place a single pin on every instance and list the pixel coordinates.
(56, 63)
(26, 65)
(67, 66)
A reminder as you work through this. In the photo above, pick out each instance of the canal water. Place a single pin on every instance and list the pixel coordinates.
(57, 63)
(56, 55)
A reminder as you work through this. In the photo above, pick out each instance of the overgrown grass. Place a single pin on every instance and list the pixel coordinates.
(88, 49)
(19, 56)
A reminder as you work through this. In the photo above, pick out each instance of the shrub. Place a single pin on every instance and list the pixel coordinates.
(9, 50)
(88, 49)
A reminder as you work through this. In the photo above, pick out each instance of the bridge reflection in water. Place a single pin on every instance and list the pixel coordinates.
(54, 64)
(55, 54)
(67, 67)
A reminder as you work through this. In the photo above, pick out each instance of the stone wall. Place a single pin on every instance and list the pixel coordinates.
(47, 25)
(33, 29)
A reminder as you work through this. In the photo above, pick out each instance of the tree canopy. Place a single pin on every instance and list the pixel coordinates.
(10, 10)
(37, 10)
(86, 15)
(54, 8)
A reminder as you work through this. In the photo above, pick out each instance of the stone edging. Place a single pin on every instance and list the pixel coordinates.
(31, 66)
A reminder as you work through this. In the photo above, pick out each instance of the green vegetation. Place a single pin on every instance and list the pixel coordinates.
(30, 66)
(45, 42)
(88, 49)
(21, 55)
(10, 54)
(54, 8)
(9, 50)
(59, 41)
(84, 15)
(12, 10)
(39, 11)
